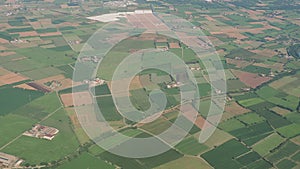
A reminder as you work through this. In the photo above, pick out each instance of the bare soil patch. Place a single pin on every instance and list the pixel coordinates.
(234, 108)
(250, 79)
(238, 63)
(31, 33)
(25, 86)
(11, 78)
(82, 98)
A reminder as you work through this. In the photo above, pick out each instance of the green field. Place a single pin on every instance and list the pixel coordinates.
(235, 84)
(46, 30)
(118, 53)
(260, 164)
(191, 146)
(24, 29)
(231, 124)
(248, 158)
(22, 65)
(286, 164)
(12, 126)
(204, 89)
(108, 109)
(40, 107)
(63, 144)
(152, 162)
(251, 118)
(158, 126)
(240, 52)
(102, 90)
(86, 160)
(13, 98)
(139, 99)
(185, 162)
(41, 73)
(249, 132)
(290, 130)
(279, 98)
(266, 145)
(274, 119)
(250, 102)
(259, 127)
(227, 152)
(285, 150)
(296, 157)
(257, 69)
(47, 57)
(67, 69)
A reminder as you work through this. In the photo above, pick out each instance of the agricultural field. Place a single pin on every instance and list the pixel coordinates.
(257, 43)
(191, 146)
(86, 161)
(188, 162)
(57, 148)
(13, 98)
(107, 108)
(266, 145)
(228, 151)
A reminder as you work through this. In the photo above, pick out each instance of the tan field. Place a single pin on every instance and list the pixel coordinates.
(3, 71)
(11, 78)
(49, 79)
(265, 52)
(31, 33)
(50, 34)
(25, 86)
(3, 40)
(82, 98)
(238, 63)
(234, 108)
(275, 66)
(250, 79)
(135, 83)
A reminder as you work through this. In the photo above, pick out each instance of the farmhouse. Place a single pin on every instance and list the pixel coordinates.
(9, 161)
(40, 131)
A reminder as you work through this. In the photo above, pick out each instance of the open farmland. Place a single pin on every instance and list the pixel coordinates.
(188, 162)
(58, 147)
(250, 79)
(228, 151)
(257, 43)
(266, 145)
(14, 125)
(191, 146)
(14, 98)
(86, 161)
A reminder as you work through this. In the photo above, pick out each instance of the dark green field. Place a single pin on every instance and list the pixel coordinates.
(108, 109)
(13, 98)
(86, 161)
(228, 151)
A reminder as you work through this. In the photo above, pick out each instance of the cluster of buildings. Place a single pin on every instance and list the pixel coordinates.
(54, 84)
(40, 131)
(173, 85)
(9, 161)
(74, 42)
(93, 59)
(94, 82)
(120, 3)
